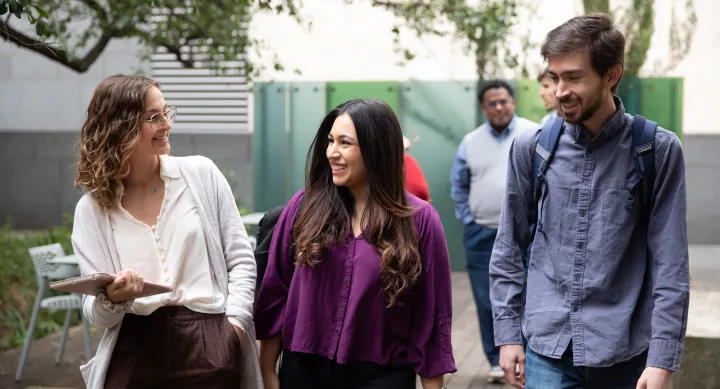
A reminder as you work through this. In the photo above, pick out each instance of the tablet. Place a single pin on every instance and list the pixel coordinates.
(94, 283)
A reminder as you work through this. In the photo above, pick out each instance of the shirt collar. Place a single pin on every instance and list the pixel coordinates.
(505, 131)
(611, 128)
(168, 167)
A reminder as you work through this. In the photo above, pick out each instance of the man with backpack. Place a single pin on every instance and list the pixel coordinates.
(600, 195)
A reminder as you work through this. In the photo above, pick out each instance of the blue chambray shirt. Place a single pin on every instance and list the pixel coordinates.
(597, 275)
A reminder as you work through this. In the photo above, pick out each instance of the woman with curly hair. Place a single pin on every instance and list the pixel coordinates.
(169, 220)
(357, 290)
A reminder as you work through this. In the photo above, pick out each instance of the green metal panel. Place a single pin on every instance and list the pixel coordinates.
(479, 116)
(662, 102)
(440, 113)
(528, 100)
(630, 92)
(270, 146)
(307, 109)
(340, 92)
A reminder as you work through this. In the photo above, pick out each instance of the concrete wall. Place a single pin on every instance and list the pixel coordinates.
(37, 171)
(702, 162)
(42, 106)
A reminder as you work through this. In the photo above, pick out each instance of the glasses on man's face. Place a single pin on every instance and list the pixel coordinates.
(156, 120)
(501, 102)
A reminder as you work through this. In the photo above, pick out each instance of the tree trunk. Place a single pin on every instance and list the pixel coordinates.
(637, 48)
(597, 5)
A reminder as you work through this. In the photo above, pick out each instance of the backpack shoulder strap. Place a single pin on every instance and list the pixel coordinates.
(643, 143)
(544, 153)
(546, 146)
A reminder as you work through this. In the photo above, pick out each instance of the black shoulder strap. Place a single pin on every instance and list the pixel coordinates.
(643, 144)
(544, 153)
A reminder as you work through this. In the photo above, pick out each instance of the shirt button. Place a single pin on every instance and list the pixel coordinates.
(577, 277)
(580, 245)
(575, 308)
(582, 213)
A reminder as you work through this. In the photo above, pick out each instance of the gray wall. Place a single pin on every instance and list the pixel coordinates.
(37, 172)
(42, 106)
(702, 162)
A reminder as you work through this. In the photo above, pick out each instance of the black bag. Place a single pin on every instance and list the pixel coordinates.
(263, 238)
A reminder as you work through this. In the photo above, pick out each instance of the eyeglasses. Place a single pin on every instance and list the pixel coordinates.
(157, 118)
(502, 102)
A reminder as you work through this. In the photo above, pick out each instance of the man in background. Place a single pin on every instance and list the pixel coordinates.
(547, 94)
(478, 178)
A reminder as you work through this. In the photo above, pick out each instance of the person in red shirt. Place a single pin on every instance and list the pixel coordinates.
(415, 182)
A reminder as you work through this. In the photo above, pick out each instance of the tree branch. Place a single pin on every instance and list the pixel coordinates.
(390, 4)
(99, 10)
(187, 63)
(149, 39)
(60, 56)
(397, 6)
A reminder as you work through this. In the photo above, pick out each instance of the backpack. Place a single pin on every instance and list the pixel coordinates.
(643, 149)
(263, 238)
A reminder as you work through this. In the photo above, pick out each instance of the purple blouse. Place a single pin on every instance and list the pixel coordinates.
(337, 309)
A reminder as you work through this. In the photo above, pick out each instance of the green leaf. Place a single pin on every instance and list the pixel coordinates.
(17, 9)
(41, 12)
(41, 29)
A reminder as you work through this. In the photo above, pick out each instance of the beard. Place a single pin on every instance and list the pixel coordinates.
(593, 105)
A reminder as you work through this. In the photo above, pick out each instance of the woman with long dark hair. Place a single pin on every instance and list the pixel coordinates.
(357, 291)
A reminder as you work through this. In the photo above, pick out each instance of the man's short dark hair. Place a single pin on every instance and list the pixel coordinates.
(594, 32)
(494, 84)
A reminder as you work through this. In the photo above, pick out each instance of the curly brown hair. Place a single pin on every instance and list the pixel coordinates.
(110, 134)
(327, 210)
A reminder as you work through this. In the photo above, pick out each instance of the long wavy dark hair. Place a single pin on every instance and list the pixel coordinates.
(327, 209)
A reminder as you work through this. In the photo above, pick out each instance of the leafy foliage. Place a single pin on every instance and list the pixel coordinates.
(18, 288)
(638, 25)
(481, 27)
(75, 32)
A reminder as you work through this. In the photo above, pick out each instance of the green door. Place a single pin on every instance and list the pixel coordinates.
(529, 103)
(287, 116)
(439, 114)
(340, 92)
(662, 102)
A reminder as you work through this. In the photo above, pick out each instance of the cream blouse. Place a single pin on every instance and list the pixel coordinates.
(171, 252)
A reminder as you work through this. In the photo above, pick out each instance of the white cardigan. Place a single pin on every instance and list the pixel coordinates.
(230, 251)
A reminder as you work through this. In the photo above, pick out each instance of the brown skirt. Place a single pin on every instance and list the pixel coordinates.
(175, 347)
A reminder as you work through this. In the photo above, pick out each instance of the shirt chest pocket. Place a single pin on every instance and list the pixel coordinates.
(617, 208)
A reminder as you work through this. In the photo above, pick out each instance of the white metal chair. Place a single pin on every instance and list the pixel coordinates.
(46, 271)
